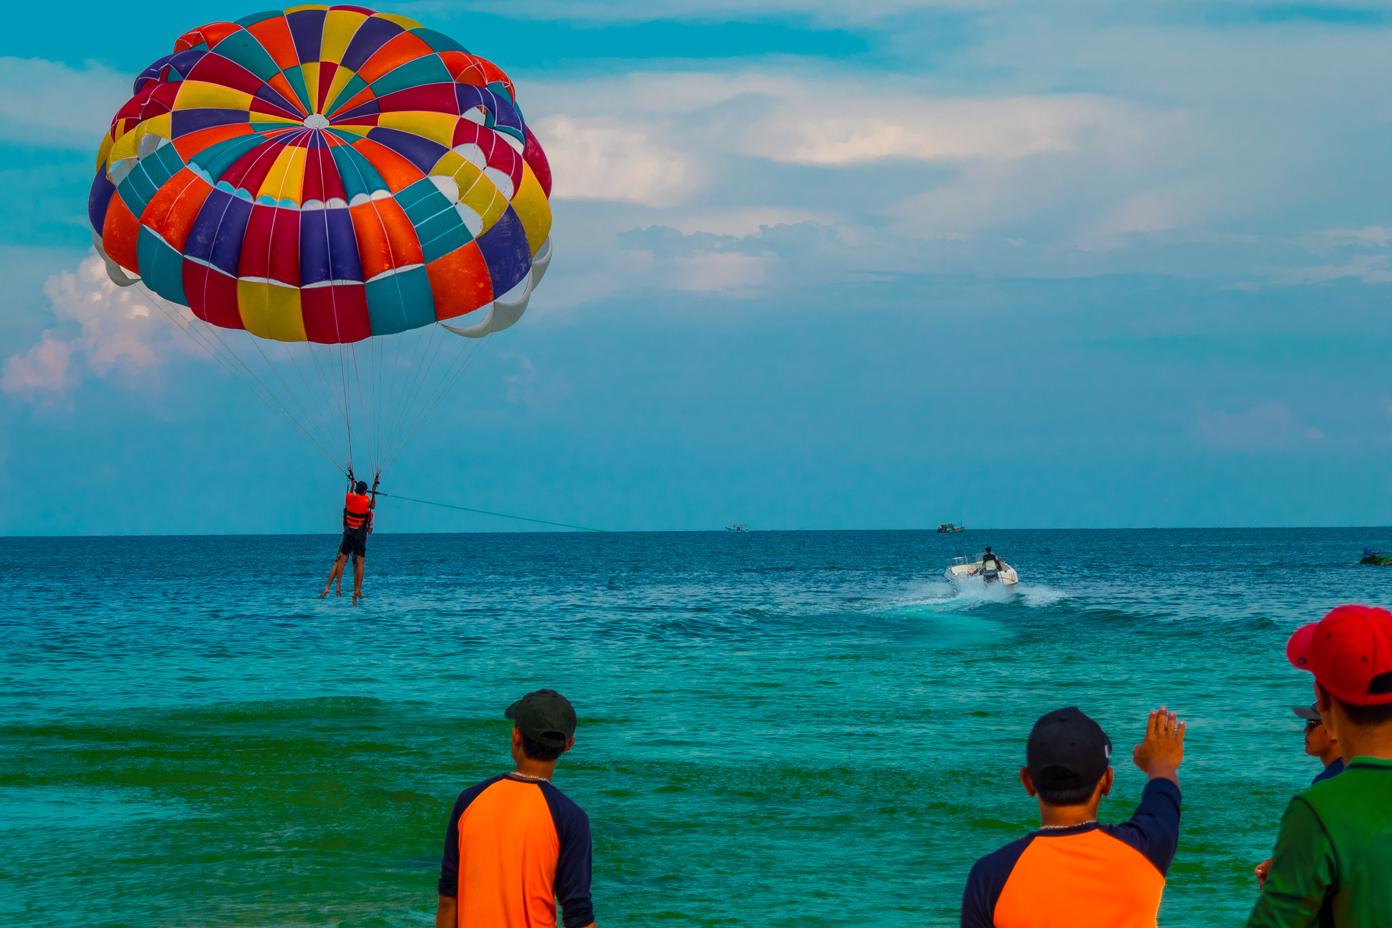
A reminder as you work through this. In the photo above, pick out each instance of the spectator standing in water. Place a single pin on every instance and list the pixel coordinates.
(1333, 859)
(1318, 743)
(516, 844)
(1074, 871)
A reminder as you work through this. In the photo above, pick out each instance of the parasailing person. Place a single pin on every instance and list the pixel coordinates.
(358, 506)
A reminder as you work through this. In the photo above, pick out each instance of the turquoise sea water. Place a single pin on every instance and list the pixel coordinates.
(776, 728)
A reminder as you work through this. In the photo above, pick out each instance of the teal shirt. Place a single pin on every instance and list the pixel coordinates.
(1333, 860)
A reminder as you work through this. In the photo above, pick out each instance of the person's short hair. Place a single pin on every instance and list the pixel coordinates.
(361, 487)
(536, 750)
(1069, 796)
(1368, 715)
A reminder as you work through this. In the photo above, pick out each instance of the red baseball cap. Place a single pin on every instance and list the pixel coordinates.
(1350, 653)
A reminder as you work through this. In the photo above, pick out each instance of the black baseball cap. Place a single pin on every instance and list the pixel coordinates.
(544, 716)
(1067, 750)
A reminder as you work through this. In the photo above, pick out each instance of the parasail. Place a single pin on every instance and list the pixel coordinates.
(316, 183)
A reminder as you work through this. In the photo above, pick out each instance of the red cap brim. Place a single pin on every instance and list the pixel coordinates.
(1298, 648)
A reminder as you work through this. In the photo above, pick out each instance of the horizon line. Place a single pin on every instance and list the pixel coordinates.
(715, 531)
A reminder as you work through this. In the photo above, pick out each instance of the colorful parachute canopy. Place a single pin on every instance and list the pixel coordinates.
(325, 174)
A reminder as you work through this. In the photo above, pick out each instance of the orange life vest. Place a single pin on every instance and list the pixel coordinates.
(356, 511)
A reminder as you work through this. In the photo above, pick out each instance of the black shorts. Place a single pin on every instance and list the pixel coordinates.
(354, 543)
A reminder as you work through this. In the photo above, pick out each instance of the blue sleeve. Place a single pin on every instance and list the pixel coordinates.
(449, 862)
(985, 883)
(1154, 827)
(574, 866)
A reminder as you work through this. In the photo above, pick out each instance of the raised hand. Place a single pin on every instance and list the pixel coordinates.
(1162, 750)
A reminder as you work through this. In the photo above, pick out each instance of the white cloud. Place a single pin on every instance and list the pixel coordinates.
(607, 158)
(1147, 140)
(746, 220)
(818, 11)
(1365, 237)
(1370, 269)
(688, 140)
(42, 370)
(47, 103)
(833, 124)
(719, 272)
(102, 329)
(1266, 425)
(829, 117)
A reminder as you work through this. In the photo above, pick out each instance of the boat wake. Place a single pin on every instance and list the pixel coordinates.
(960, 596)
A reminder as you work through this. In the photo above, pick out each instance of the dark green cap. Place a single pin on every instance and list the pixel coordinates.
(544, 716)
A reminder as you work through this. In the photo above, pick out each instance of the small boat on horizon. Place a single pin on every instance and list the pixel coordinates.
(736, 527)
(949, 528)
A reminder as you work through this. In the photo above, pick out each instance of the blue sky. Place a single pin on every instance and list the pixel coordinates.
(818, 265)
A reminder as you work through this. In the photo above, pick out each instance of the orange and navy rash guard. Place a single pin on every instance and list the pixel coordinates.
(514, 847)
(1087, 876)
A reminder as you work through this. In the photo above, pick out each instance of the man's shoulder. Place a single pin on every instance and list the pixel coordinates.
(999, 863)
(470, 793)
(1153, 829)
(1348, 792)
(987, 880)
(560, 801)
(1327, 788)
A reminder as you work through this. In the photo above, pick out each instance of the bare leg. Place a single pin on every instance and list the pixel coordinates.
(336, 573)
(358, 562)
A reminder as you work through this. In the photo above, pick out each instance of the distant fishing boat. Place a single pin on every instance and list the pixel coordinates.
(736, 527)
(948, 528)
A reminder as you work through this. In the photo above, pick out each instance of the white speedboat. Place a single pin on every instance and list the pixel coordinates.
(962, 570)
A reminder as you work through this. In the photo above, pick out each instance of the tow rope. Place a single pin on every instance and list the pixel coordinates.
(489, 512)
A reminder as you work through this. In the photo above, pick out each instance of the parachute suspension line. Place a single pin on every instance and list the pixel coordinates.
(316, 354)
(398, 359)
(488, 512)
(357, 378)
(421, 362)
(406, 410)
(299, 359)
(275, 368)
(375, 352)
(249, 376)
(453, 373)
(347, 400)
(333, 306)
(284, 358)
(421, 416)
(230, 361)
(369, 401)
